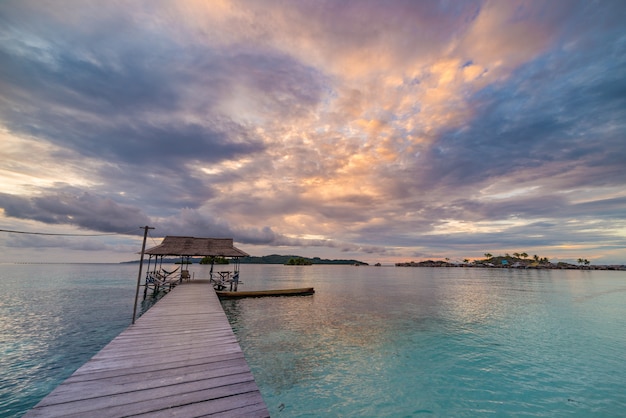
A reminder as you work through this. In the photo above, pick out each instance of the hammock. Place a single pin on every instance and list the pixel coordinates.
(168, 273)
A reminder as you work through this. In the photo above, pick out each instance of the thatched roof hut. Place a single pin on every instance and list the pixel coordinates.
(196, 247)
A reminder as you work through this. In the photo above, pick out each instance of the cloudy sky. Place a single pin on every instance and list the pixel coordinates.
(378, 130)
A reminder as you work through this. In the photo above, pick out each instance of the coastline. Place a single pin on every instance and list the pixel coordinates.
(515, 265)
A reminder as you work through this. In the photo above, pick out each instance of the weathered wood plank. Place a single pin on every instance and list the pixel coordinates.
(172, 352)
(228, 406)
(234, 405)
(98, 388)
(103, 374)
(160, 397)
(181, 358)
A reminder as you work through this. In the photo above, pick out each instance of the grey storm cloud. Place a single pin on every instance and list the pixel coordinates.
(123, 102)
(110, 118)
(83, 210)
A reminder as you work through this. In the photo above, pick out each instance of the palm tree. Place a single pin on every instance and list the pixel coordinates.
(536, 257)
(488, 256)
(581, 261)
(516, 255)
(524, 255)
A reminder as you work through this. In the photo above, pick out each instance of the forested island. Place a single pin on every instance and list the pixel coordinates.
(295, 260)
(516, 260)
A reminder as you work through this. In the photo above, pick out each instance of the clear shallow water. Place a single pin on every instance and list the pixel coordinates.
(53, 318)
(371, 342)
(436, 342)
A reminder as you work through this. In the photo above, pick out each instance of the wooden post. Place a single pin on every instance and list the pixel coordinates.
(143, 249)
(145, 286)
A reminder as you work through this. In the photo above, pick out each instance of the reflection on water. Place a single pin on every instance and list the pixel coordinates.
(446, 342)
(53, 318)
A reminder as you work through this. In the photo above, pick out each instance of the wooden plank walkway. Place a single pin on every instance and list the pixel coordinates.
(181, 358)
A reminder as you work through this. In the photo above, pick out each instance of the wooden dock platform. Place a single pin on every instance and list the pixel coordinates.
(181, 358)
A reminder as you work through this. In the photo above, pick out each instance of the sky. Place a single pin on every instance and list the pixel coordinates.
(383, 131)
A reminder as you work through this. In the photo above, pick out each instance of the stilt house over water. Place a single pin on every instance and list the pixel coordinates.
(186, 248)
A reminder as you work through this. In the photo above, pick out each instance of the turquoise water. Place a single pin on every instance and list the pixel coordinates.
(437, 342)
(53, 318)
(372, 341)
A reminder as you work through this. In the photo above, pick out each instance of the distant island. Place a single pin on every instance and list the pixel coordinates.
(517, 260)
(270, 259)
(296, 260)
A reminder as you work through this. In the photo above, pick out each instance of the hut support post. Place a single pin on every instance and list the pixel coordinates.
(145, 286)
(235, 281)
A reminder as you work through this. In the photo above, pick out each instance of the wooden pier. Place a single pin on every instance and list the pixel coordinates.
(181, 358)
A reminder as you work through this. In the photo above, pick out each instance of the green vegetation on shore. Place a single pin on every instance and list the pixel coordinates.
(298, 261)
(214, 260)
(285, 259)
(516, 260)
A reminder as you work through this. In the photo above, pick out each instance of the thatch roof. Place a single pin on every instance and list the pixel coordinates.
(191, 246)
